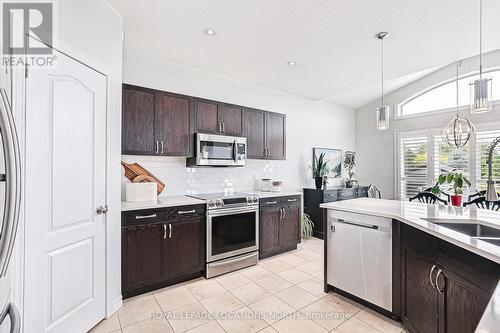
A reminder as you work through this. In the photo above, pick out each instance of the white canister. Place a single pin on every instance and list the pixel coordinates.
(277, 185)
(266, 185)
(140, 191)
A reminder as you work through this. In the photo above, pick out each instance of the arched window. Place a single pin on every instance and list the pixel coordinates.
(443, 97)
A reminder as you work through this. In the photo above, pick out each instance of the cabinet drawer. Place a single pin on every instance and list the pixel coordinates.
(274, 202)
(145, 216)
(163, 215)
(329, 196)
(362, 192)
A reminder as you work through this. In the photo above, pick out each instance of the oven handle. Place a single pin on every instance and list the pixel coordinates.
(232, 211)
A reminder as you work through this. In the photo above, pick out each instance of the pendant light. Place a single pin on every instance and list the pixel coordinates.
(459, 130)
(383, 112)
(481, 100)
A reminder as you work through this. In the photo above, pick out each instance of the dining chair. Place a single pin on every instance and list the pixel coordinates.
(481, 202)
(428, 198)
(479, 194)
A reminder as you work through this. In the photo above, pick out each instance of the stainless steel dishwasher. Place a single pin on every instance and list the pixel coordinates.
(360, 256)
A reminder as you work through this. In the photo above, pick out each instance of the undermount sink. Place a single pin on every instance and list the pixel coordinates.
(472, 228)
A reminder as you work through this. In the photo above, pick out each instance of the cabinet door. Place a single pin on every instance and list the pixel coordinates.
(174, 130)
(138, 118)
(290, 227)
(143, 263)
(232, 119)
(461, 305)
(254, 130)
(419, 301)
(186, 247)
(269, 232)
(207, 116)
(276, 136)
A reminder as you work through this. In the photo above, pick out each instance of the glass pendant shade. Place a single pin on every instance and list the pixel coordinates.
(383, 115)
(480, 93)
(457, 132)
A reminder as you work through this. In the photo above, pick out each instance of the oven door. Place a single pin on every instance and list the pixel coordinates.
(231, 232)
(220, 150)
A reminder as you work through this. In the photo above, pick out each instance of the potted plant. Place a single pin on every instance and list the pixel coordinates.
(319, 169)
(457, 180)
(349, 165)
(306, 226)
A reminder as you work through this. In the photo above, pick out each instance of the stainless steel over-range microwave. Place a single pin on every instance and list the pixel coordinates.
(218, 150)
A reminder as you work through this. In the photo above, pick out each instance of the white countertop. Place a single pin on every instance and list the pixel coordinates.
(160, 202)
(263, 195)
(414, 214)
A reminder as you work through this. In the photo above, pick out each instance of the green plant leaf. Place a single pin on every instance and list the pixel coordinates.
(450, 177)
(441, 179)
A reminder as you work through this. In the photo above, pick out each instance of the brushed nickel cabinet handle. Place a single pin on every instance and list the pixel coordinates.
(181, 212)
(170, 230)
(141, 217)
(437, 285)
(291, 200)
(164, 231)
(162, 146)
(430, 276)
(157, 147)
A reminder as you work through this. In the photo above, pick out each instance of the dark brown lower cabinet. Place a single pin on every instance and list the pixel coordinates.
(444, 288)
(279, 225)
(161, 247)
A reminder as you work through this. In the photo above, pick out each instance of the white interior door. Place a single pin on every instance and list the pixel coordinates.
(65, 183)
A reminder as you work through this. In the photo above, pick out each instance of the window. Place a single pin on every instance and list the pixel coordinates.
(423, 156)
(413, 165)
(444, 97)
(483, 140)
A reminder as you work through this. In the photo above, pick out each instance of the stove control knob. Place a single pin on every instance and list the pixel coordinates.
(255, 199)
(211, 204)
(219, 203)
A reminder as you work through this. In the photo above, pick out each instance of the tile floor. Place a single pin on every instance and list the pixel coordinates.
(280, 294)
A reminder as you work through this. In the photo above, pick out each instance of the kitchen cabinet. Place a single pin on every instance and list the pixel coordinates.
(156, 122)
(444, 288)
(279, 225)
(174, 124)
(218, 118)
(266, 134)
(138, 119)
(161, 247)
(313, 198)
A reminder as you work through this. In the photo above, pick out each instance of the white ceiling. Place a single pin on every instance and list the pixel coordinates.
(332, 41)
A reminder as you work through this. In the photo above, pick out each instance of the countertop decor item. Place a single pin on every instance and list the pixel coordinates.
(319, 168)
(349, 165)
(266, 185)
(143, 191)
(458, 131)
(133, 170)
(480, 89)
(384, 111)
(277, 185)
(457, 180)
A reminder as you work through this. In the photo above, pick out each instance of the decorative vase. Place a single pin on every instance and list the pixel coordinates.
(456, 200)
(319, 182)
(348, 183)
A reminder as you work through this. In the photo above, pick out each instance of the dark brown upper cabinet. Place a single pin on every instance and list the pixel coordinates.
(218, 118)
(266, 134)
(174, 124)
(156, 122)
(138, 135)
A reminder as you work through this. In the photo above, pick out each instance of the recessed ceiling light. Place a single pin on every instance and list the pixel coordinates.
(210, 31)
(291, 63)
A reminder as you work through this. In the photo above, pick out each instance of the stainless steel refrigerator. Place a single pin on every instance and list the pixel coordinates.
(10, 202)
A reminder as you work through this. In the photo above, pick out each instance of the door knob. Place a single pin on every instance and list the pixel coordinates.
(102, 210)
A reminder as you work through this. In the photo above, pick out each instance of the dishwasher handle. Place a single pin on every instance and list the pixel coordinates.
(356, 224)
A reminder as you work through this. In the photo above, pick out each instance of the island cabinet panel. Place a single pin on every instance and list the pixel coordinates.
(444, 288)
(138, 119)
(279, 225)
(161, 247)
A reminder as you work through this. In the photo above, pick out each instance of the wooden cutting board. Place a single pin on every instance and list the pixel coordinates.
(132, 171)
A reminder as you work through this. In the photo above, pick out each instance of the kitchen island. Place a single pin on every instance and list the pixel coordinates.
(445, 256)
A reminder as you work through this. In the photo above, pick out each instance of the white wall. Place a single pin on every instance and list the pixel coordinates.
(375, 149)
(309, 124)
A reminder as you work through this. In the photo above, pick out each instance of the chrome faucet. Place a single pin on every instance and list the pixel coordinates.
(491, 192)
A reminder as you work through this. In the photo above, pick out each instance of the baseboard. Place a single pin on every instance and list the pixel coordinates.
(117, 304)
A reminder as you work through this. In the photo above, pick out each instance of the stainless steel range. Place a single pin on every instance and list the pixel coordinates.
(232, 231)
